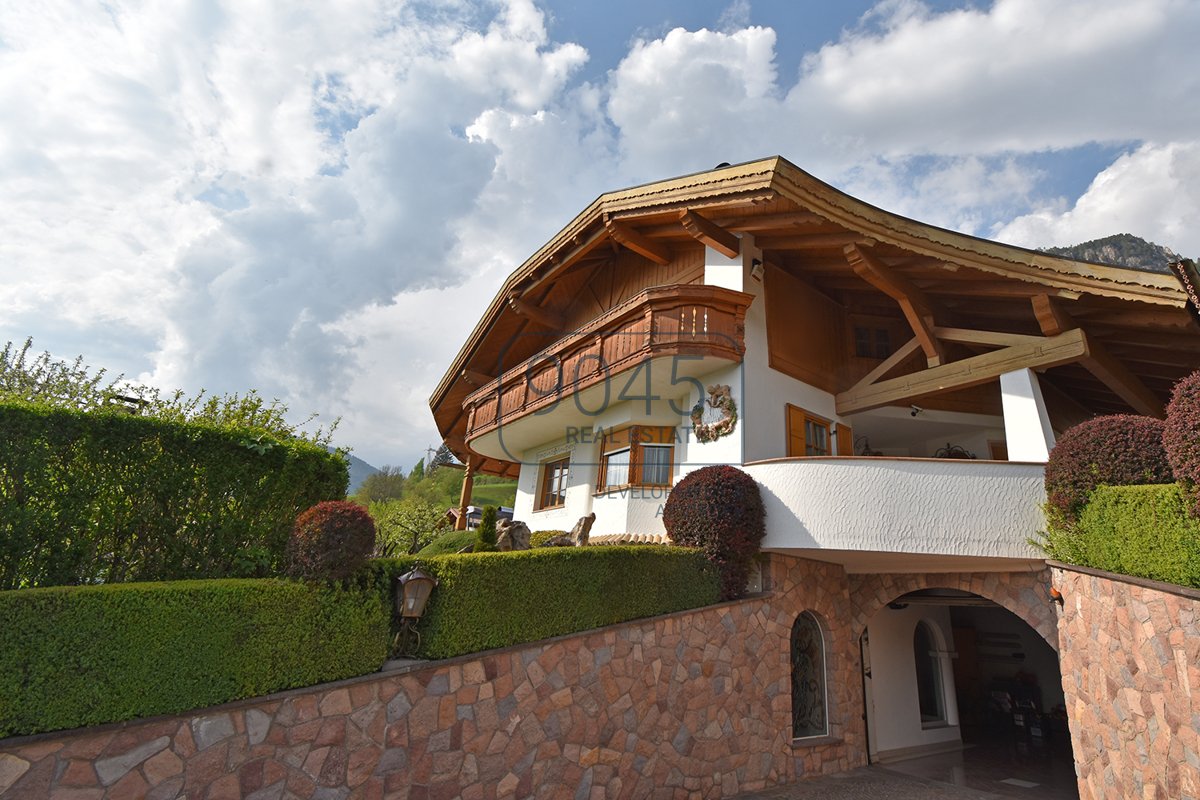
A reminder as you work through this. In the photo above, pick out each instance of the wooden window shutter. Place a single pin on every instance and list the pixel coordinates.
(845, 440)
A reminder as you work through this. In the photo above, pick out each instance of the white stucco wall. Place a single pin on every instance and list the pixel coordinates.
(893, 711)
(902, 506)
(763, 410)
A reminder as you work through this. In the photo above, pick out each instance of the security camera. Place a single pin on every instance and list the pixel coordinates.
(916, 410)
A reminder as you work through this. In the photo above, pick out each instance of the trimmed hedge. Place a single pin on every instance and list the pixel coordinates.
(448, 543)
(1181, 437)
(488, 600)
(1143, 531)
(1116, 450)
(719, 509)
(105, 497)
(73, 656)
(331, 541)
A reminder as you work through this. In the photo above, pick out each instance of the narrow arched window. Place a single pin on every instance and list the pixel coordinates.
(930, 695)
(810, 715)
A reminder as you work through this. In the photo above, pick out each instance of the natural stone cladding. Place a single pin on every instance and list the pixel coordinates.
(1131, 675)
(1026, 594)
(693, 704)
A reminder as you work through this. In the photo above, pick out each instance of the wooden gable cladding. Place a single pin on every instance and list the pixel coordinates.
(659, 321)
(806, 331)
(586, 294)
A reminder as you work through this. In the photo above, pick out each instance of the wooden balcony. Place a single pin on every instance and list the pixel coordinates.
(691, 320)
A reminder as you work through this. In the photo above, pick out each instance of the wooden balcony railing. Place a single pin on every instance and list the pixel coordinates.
(686, 319)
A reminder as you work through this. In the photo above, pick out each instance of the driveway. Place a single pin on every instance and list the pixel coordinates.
(871, 783)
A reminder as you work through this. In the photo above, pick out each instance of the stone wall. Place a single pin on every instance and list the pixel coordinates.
(694, 704)
(690, 704)
(1130, 655)
(1026, 594)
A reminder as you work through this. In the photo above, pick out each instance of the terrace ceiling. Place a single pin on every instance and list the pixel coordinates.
(1135, 335)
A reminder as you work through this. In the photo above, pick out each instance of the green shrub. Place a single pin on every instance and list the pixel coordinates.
(1181, 437)
(719, 510)
(485, 534)
(331, 541)
(103, 496)
(448, 543)
(1116, 450)
(487, 600)
(539, 538)
(1143, 531)
(72, 656)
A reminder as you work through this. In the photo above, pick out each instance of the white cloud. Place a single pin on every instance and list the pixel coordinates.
(1153, 193)
(691, 100)
(1020, 75)
(320, 204)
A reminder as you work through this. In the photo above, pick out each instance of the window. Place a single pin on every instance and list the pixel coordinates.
(808, 434)
(553, 492)
(930, 696)
(638, 456)
(872, 342)
(809, 701)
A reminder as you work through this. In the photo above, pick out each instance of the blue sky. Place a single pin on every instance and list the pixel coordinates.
(220, 195)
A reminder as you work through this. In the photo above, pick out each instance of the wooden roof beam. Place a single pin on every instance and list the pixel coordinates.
(812, 241)
(1052, 351)
(1054, 320)
(1124, 383)
(642, 245)
(711, 234)
(912, 300)
(475, 379)
(536, 314)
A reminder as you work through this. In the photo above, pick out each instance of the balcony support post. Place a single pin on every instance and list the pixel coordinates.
(464, 498)
(1027, 427)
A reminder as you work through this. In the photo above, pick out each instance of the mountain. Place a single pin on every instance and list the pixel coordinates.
(1122, 250)
(359, 472)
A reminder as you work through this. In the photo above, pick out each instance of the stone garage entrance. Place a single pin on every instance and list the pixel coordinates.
(961, 690)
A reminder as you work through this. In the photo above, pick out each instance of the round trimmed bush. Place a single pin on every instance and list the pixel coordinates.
(331, 540)
(719, 510)
(1116, 450)
(1181, 436)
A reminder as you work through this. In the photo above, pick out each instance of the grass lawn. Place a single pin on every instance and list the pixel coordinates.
(494, 494)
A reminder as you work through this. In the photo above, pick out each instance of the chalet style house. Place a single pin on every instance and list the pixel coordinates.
(893, 387)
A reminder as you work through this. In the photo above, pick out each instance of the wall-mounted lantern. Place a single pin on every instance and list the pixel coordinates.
(412, 593)
(413, 589)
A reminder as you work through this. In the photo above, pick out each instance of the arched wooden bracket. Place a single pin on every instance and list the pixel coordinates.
(642, 245)
(711, 234)
(539, 315)
(913, 302)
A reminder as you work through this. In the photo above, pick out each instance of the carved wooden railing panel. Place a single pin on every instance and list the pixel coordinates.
(685, 319)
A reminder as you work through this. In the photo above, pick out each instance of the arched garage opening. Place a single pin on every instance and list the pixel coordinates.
(959, 689)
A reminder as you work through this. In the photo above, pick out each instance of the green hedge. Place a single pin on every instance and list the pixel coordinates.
(1144, 531)
(448, 543)
(105, 497)
(487, 600)
(72, 656)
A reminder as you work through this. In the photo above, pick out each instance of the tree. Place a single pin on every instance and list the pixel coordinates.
(485, 535)
(386, 484)
(418, 471)
(407, 525)
(441, 458)
(45, 380)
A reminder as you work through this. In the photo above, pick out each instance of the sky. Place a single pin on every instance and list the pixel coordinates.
(318, 201)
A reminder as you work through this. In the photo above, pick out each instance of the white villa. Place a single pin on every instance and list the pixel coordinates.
(893, 387)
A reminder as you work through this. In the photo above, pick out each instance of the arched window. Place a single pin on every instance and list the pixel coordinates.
(810, 715)
(930, 694)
